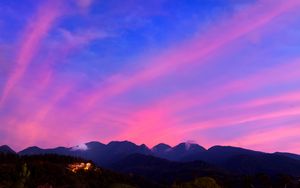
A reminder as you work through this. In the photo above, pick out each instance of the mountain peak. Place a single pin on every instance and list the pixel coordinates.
(94, 143)
(31, 151)
(193, 146)
(144, 146)
(125, 147)
(80, 147)
(34, 148)
(6, 149)
(187, 146)
(230, 149)
(161, 147)
(125, 142)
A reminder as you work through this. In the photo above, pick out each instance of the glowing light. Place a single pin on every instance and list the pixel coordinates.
(75, 167)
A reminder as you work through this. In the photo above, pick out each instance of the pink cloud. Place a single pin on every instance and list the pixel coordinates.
(29, 128)
(160, 116)
(194, 51)
(159, 120)
(265, 139)
(163, 113)
(34, 33)
(177, 57)
(33, 124)
(292, 147)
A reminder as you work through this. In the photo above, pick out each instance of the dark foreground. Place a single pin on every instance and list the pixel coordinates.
(45, 171)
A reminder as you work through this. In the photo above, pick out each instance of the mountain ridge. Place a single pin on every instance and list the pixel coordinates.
(229, 158)
(151, 148)
(158, 150)
(106, 154)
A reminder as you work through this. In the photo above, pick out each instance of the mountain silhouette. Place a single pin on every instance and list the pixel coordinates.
(100, 153)
(290, 155)
(178, 152)
(219, 154)
(161, 148)
(6, 149)
(133, 157)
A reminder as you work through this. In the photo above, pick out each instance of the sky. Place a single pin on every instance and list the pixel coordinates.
(213, 72)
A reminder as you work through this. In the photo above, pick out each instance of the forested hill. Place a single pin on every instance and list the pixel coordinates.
(54, 171)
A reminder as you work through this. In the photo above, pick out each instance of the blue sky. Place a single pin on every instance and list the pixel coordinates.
(212, 71)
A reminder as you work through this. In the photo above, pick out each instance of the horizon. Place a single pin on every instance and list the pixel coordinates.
(212, 72)
(149, 147)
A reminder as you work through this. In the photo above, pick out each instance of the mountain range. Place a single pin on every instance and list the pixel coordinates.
(125, 156)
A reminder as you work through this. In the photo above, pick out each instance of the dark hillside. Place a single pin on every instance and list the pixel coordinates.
(56, 171)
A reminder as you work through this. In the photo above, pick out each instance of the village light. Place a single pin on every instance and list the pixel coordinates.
(75, 167)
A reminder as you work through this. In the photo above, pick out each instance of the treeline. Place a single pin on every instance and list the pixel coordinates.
(45, 171)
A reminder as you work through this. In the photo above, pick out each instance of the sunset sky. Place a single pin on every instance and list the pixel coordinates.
(215, 72)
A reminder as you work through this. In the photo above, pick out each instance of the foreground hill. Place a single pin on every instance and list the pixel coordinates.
(61, 172)
(48, 171)
(240, 171)
(165, 171)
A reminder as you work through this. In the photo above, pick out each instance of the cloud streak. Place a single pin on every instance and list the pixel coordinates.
(194, 51)
(93, 72)
(35, 32)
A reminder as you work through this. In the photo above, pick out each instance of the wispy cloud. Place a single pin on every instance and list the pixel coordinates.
(194, 51)
(225, 75)
(34, 33)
